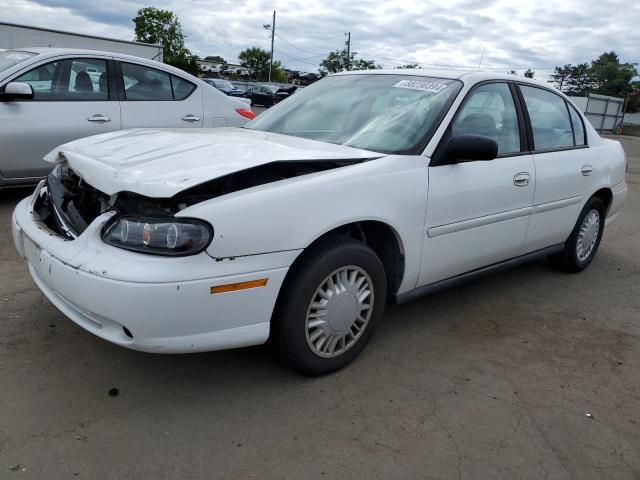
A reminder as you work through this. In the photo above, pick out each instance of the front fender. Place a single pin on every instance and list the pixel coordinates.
(291, 214)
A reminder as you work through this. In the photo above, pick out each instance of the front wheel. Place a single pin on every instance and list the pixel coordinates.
(329, 307)
(583, 243)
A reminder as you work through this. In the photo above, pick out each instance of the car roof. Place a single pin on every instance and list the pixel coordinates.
(45, 52)
(467, 76)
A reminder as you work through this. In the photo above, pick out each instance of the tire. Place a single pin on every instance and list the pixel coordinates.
(576, 256)
(350, 267)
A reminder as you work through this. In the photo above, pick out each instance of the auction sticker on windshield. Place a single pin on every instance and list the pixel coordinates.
(432, 87)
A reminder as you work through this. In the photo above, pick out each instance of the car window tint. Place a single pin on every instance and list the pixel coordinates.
(578, 126)
(181, 88)
(82, 79)
(549, 118)
(491, 111)
(145, 83)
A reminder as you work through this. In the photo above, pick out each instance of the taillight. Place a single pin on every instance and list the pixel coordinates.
(245, 112)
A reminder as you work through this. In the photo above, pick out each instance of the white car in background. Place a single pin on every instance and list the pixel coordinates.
(49, 96)
(363, 187)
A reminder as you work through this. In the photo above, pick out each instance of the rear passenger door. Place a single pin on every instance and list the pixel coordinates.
(563, 164)
(72, 99)
(151, 97)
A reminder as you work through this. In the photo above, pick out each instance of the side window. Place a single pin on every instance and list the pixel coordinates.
(145, 83)
(578, 126)
(181, 88)
(549, 118)
(82, 79)
(41, 80)
(491, 111)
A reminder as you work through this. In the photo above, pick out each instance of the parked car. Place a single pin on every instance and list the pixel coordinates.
(225, 86)
(362, 188)
(268, 95)
(50, 96)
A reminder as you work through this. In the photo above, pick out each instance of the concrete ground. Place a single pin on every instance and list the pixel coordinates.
(527, 374)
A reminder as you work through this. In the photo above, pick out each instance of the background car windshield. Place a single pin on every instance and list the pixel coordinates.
(13, 57)
(223, 84)
(383, 113)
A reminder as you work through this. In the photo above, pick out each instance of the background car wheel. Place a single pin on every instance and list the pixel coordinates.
(329, 306)
(582, 244)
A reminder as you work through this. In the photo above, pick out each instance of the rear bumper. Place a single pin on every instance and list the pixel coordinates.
(165, 304)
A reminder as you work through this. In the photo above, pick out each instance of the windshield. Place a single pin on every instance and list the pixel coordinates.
(383, 113)
(13, 57)
(223, 84)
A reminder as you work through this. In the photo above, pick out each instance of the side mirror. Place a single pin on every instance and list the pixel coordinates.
(467, 147)
(16, 91)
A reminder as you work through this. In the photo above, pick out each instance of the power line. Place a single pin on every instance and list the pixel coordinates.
(298, 48)
(295, 58)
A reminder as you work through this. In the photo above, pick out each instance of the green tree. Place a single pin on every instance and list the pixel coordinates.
(610, 77)
(338, 60)
(162, 27)
(256, 60)
(409, 65)
(560, 76)
(529, 73)
(578, 82)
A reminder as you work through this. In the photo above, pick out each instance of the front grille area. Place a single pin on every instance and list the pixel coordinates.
(67, 205)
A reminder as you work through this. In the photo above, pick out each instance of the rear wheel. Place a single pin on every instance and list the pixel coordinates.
(330, 305)
(583, 243)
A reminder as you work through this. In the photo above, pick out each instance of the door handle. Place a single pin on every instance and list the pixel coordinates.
(99, 118)
(586, 170)
(521, 179)
(190, 118)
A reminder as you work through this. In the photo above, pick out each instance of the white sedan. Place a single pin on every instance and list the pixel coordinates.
(50, 96)
(365, 187)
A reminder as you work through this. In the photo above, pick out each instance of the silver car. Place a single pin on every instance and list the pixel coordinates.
(50, 96)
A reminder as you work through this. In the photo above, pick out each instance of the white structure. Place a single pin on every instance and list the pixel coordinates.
(20, 36)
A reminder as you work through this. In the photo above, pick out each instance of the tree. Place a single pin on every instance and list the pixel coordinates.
(162, 27)
(610, 77)
(256, 60)
(578, 82)
(560, 75)
(339, 60)
(529, 73)
(215, 59)
(512, 72)
(409, 65)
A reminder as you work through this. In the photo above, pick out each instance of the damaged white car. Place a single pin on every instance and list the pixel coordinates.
(362, 188)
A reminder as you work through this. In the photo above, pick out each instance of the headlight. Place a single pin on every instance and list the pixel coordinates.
(158, 236)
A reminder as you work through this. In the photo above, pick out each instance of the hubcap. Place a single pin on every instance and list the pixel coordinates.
(588, 235)
(339, 311)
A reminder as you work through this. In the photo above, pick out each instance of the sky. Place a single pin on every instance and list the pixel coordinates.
(514, 34)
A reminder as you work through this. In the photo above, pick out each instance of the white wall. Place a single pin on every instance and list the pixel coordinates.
(17, 36)
(632, 119)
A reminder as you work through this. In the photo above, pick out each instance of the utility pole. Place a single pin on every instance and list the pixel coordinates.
(273, 33)
(348, 44)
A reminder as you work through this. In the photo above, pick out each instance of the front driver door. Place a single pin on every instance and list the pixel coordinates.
(478, 212)
(71, 100)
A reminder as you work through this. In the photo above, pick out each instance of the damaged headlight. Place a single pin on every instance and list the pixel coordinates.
(158, 236)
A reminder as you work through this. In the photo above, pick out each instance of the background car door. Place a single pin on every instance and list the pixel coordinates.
(155, 98)
(563, 166)
(71, 100)
(478, 212)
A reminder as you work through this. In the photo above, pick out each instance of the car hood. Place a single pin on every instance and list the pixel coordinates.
(162, 162)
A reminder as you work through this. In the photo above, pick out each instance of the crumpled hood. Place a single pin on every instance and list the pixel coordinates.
(162, 162)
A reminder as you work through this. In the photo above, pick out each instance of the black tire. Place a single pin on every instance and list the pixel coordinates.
(289, 333)
(568, 259)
